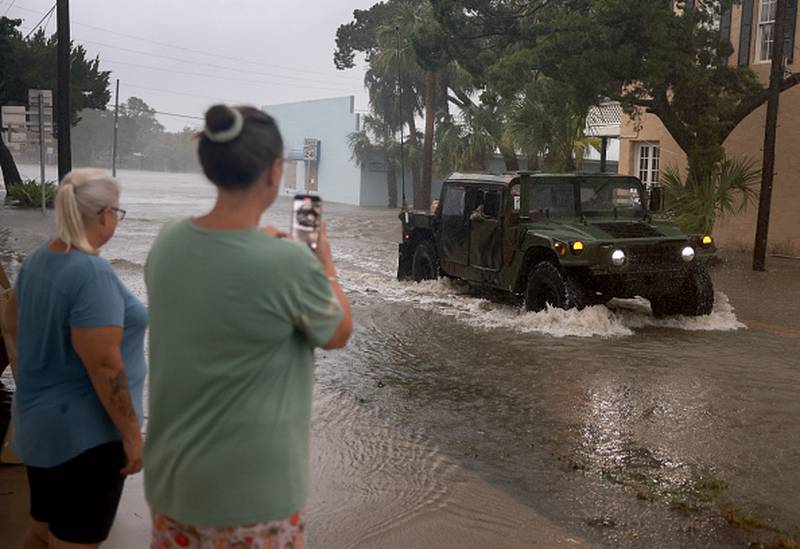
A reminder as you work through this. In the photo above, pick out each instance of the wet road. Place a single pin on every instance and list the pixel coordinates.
(619, 429)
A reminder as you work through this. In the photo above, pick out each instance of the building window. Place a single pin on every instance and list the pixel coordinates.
(648, 160)
(766, 29)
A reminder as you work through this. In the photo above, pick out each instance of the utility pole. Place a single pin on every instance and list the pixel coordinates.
(62, 89)
(404, 205)
(770, 137)
(116, 129)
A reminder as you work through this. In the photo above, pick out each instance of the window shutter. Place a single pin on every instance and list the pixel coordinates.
(725, 30)
(791, 27)
(745, 34)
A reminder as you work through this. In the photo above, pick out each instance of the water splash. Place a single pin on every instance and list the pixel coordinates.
(619, 319)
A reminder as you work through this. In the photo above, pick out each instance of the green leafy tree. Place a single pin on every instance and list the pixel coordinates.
(31, 63)
(621, 50)
(401, 42)
(394, 79)
(138, 127)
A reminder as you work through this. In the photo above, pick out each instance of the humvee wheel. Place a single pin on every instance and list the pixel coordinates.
(424, 265)
(695, 297)
(548, 286)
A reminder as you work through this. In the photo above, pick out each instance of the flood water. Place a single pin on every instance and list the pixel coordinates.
(618, 428)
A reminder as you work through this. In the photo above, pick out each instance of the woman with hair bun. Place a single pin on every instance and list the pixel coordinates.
(236, 313)
(77, 408)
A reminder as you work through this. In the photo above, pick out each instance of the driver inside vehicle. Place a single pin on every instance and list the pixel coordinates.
(477, 213)
(598, 199)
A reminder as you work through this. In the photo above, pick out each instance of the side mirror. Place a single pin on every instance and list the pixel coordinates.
(656, 199)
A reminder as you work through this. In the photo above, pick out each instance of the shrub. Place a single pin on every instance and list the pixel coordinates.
(697, 205)
(28, 194)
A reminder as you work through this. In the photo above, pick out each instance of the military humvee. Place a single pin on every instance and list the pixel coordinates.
(563, 240)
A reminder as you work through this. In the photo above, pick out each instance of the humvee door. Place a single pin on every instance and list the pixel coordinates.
(485, 228)
(454, 240)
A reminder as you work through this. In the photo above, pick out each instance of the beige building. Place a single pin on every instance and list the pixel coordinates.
(646, 147)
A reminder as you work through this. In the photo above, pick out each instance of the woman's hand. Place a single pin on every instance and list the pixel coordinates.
(345, 328)
(99, 350)
(274, 232)
(324, 251)
(133, 455)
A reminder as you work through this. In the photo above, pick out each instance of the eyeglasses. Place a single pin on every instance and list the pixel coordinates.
(119, 211)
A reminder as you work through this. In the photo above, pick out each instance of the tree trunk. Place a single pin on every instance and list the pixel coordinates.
(391, 184)
(421, 200)
(11, 175)
(510, 158)
(702, 160)
(427, 152)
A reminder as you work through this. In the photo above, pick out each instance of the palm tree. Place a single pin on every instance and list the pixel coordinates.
(394, 82)
(377, 135)
(547, 123)
(461, 145)
(696, 205)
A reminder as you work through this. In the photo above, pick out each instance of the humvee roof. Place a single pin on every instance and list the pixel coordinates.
(510, 177)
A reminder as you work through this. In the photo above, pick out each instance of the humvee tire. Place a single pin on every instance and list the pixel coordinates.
(694, 298)
(424, 265)
(547, 284)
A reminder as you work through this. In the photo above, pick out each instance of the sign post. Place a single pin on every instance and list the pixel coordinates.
(116, 129)
(311, 156)
(40, 124)
(41, 150)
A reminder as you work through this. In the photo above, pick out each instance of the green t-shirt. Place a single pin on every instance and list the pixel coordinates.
(234, 319)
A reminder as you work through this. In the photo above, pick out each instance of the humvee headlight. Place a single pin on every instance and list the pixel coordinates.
(618, 258)
(707, 241)
(688, 254)
(577, 247)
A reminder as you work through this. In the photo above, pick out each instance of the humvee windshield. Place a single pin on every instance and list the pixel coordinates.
(570, 196)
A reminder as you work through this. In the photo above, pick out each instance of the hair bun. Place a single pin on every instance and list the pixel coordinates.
(223, 124)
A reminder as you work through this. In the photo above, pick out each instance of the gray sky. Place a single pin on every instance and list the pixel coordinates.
(282, 49)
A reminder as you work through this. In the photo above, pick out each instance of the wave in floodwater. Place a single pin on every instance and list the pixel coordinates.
(618, 319)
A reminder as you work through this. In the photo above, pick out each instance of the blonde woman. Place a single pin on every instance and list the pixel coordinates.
(77, 409)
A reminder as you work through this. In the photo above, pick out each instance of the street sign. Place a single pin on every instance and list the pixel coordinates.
(13, 116)
(47, 98)
(311, 150)
(35, 128)
(14, 124)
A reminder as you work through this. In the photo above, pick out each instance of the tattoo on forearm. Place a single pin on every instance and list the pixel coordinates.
(121, 396)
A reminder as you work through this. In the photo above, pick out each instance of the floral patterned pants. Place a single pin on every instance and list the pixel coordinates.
(279, 534)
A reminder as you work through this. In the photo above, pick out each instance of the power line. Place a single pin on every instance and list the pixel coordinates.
(201, 52)
(45, 16)
(180, 115)
(225, 78)
(221, 67)
(137, 87)
(11, 5)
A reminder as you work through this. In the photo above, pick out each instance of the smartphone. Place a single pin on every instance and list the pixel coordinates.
(306, 219)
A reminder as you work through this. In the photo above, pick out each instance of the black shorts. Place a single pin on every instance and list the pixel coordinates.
(79, 498)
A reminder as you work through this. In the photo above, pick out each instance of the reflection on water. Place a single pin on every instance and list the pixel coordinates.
(596, 419)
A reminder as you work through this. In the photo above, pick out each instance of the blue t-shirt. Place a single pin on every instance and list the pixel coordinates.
(56, 412)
